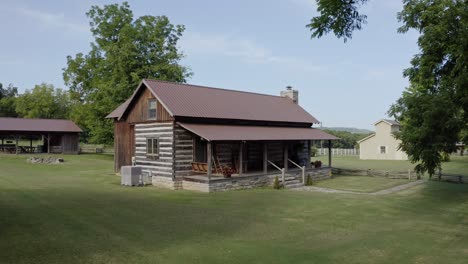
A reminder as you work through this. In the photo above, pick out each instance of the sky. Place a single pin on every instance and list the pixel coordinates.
(258, 46)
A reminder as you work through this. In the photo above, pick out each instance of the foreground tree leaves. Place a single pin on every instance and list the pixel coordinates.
(337, 16)
(433, 111)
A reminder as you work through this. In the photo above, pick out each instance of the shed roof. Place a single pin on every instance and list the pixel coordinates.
(37, 125)
(388, 121)
(186, 100)
(119, 111)
(228, 132)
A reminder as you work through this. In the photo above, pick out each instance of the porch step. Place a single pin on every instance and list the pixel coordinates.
(291, 181)
(293, 185)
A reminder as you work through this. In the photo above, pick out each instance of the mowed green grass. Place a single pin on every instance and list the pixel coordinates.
(77, 212)
(364, 184)
(456, 165)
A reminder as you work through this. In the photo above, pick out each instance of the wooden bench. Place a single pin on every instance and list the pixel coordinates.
(201, 167)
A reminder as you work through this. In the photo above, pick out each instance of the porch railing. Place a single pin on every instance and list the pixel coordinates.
(280, 169)
(302, 170)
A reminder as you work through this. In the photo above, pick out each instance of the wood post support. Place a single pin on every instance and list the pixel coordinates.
(48, 142)
(16, 137)
(265, 157)
(209, 160)
(241, 157)
(307, 165)
(285, 146)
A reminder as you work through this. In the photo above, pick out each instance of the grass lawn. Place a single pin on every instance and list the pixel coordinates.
(457, 165)
(365, 184)
(77, 212)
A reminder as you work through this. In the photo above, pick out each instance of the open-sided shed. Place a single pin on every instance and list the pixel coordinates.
(24, 135)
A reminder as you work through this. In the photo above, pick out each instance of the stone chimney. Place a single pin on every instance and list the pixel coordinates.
(291, 94)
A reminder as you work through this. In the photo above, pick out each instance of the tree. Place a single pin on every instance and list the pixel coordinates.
(44, 101)
(339, 16)
(433, 110)
(347, 139)
(8, 100)
(124, 52)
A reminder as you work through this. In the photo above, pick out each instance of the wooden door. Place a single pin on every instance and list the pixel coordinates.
(132, 142)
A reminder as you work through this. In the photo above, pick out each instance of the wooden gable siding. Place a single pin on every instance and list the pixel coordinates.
(70, 143)
(123, 144)
(138, 111)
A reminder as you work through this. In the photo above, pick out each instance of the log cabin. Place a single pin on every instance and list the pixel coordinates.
(210, 139)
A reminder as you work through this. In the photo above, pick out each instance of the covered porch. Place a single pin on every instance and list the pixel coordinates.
(224, 153)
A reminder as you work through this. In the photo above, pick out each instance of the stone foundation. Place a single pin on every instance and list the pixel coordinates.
(235, 183)
(195, 186)
(319, 174)
(246, 182)
(165, 182)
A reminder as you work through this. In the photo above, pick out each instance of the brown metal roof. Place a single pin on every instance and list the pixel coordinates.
(186, 100)
(226, 132)
(119, 111)
(37, 125)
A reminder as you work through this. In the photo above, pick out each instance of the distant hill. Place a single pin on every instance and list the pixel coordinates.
(350, 129)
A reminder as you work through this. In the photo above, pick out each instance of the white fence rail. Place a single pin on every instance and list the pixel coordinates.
(338, 152)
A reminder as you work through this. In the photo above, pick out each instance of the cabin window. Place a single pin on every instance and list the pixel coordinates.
(383, 149)
(152, 148)
(152, 109)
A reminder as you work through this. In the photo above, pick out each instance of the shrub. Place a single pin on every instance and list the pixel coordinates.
(276, 184)
(445, 157)
(313, 151)
(317, 164)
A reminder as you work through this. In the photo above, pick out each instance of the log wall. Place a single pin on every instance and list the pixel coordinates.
(162, 166)
(183, 155)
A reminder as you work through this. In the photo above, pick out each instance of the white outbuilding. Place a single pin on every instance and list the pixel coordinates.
(382, 145)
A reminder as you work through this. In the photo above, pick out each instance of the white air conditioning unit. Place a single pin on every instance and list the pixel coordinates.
(130, 175)
(146, 177)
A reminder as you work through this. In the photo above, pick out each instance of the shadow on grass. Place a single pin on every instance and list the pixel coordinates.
(75, 225)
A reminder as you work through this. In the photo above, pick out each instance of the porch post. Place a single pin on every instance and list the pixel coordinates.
(307, 165)
(329, 153)
(208, 160)
(16, 137)
(241, 157)
(285, 146)
(48, 142)
(265, 157)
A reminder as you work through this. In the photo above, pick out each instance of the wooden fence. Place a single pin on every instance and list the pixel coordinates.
(88, 149)
(338, 152)
(410, 174)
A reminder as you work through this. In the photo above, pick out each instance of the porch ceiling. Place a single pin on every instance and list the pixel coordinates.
(258, 133)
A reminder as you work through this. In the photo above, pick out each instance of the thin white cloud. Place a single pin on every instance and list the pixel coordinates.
(57, 20)
(243, 49)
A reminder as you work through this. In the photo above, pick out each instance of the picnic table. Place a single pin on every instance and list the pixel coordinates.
(8, 148)
(28, 149)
